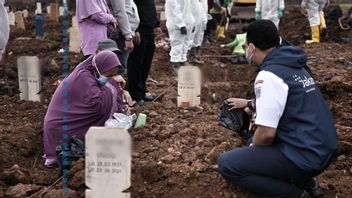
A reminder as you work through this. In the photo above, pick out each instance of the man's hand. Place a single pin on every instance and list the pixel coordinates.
(137, 39)
(120, 80)
(158, 31)
(183, 30)
(237, 103)
(129, 45)
(127, 98)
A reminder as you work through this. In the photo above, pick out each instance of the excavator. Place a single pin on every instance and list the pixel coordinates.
(243, 9)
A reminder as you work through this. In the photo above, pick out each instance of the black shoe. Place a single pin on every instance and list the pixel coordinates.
(140, 103)
(149, 98)
(305, 195)
(314, 189)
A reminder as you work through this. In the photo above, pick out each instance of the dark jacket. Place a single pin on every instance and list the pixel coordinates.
(306, 133)
(148, 16)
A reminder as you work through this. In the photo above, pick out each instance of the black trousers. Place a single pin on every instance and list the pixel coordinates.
(138, 66)
(264, 171)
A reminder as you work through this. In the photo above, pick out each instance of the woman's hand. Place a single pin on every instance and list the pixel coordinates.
(237, 103)
(120, 80)
(127, 98)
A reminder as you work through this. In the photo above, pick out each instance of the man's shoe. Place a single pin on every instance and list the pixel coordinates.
(149, 98)
(140, 103)
(314, 189)
(305, 194)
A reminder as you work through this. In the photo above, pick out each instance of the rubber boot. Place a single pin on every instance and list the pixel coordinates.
(175, 66)
(192, 54)
(221, 32)
(322, 24)
(315, 35)
(314, 189)
(197, 59)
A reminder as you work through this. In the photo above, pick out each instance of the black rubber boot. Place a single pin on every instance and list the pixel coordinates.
(314, 189)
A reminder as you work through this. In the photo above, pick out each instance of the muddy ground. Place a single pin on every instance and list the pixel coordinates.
(175, 154)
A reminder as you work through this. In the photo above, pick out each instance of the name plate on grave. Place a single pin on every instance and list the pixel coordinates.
(189, 86)
(108, 162)
(29, 78)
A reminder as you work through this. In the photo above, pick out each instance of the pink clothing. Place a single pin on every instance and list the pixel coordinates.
(93, 17)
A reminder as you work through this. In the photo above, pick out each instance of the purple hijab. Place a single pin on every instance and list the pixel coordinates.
(88, 103)
(86, 8)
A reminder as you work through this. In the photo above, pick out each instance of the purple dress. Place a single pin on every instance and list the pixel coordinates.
(79, 102)
(93, 17)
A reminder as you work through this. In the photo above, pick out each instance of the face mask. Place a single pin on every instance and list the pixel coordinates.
(249, 55)
(102, 80)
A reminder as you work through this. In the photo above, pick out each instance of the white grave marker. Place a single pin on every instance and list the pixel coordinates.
(61, 11)
(189, 85)
(12, 18)
(29, 78)
(39, 8)
(25, 13)
(108, 162)
(19, 20)
(162, 16)
(48, 10)
(75, 41)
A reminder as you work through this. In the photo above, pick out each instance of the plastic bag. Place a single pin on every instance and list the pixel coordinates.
(120, 120)
(236, 120)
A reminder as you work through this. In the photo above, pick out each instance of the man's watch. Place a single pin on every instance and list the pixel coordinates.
(250, 104)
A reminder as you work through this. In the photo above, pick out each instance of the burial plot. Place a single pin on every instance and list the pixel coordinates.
(54, 12)
(75, 42)
(12, 18)
(29, 78)
(108, 162)
(189, 86)
(19, 20)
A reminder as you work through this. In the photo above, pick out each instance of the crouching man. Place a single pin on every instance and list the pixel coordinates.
(295, 138)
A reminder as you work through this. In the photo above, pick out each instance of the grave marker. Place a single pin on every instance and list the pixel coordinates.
(25, 13)
(75, 41)
(29, 78)
(12, 18)
(108, 162)
(54, 12)
(61, 11)
(39, 8)
(39, 26)
(162, 16)
(48, 10)
(19, 20)
(189, 86)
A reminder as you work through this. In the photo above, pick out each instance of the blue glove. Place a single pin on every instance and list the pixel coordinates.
(258, 15)
(280, 13)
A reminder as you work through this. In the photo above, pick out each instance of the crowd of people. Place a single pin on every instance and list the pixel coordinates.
(292, 137)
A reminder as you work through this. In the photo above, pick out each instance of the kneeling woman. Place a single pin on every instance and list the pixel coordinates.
(89, 96)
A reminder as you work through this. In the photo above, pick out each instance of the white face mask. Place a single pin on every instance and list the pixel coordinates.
(249, 53)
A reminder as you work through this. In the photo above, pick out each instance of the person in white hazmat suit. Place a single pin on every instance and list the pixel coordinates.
(4, 29)
(180, 25)
(200, 14)
(316, 18)
(272, 10)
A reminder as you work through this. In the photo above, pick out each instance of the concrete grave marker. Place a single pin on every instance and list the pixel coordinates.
(39, 8)
(162, 16)
(48, 10)
(29, 78)
(25, 13)
(108, 162)
(12, 18)
(19, 20)
(75, 41)
(189, 86)
(54, 12)
(61, 11)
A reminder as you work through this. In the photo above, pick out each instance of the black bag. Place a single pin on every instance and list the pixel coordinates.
(74, 151)
(237, 120)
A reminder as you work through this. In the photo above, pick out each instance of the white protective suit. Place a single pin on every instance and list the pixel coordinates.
(313, 9)
(269, 9)
(200, 14)
(4, 28)
(179, 14)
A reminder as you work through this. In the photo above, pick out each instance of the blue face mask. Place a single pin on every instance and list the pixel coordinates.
(102, 80)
